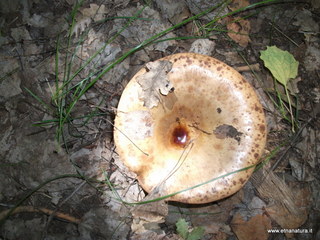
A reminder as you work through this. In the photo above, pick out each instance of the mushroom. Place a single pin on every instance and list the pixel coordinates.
(208, 124)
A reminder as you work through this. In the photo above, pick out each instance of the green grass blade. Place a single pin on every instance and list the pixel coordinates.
(46, 106)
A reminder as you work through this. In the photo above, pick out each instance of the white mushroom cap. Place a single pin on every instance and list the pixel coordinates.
(211, 124)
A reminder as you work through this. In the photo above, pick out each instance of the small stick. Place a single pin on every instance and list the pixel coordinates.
(246, 68)
(47, 211)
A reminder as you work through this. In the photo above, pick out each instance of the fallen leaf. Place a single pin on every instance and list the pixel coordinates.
(293, 86)
(238, 31)
(146, 217)
(202, 46)
(94, 11)
(311, 60)
(175, 11)
(236, 4)
(154, 82)
(281, 64)
(289, 219)
(196, 233)
(185, 233)
(151, 212)
(254, 229)
(270, 186)
(81, 26)
(306, 24)
(182, 228)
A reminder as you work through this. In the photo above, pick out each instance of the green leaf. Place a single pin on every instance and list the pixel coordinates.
(196, 234)
(182, 228)
(281, 64)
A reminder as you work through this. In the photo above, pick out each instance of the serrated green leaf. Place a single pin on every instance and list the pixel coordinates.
(182, 228)
(196, 234)
(281, 64)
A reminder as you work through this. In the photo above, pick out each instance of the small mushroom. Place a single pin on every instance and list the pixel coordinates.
(209, 124)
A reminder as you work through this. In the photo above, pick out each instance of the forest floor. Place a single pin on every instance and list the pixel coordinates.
(63, 67)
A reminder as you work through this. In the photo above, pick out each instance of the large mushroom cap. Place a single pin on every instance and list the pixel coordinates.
(211, 123)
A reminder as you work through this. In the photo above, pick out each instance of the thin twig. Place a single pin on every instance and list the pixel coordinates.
(10, 211)
(47, 211)
(247, 68)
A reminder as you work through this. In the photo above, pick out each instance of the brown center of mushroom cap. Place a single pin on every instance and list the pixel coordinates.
(174, 130)
(180, 136)
(213, 113)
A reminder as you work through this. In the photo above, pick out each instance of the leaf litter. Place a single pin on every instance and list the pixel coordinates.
(154, 82)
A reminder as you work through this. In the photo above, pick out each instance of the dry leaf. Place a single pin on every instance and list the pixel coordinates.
(81, 26)
(238, 31)
(288, 219)
(146, 217)
(306, 24)
(236, 4)
(139, 31)
(175, 11)
(94, 11)
(203, 46)
(154, 82)
(293, 86)
(151, 212)
(239, 28)
(270, 186)
(289, 207)
(312, 58)
(254, 229)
